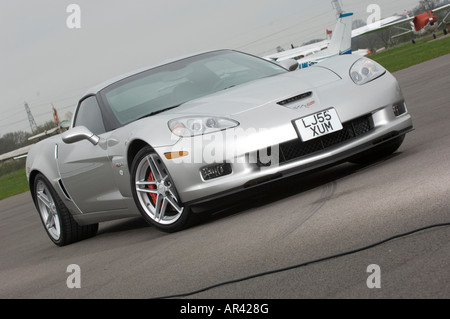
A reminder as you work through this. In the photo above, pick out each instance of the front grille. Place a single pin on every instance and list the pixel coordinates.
(295, 149)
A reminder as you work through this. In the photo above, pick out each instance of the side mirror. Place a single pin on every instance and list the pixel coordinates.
(79, 133)
(289, 64)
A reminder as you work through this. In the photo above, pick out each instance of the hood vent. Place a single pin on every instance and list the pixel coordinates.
(295, 98)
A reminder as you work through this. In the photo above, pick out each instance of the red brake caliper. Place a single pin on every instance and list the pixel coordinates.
(152, 196)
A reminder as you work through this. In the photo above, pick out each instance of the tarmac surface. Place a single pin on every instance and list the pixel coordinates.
(272, 237)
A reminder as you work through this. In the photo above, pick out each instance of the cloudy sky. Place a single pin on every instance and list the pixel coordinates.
(44, 62)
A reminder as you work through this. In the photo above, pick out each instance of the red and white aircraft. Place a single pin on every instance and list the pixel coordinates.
(421, 24)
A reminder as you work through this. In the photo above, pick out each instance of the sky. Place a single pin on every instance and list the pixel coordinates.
(44, 62)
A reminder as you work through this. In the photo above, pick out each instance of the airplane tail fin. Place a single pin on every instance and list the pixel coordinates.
(341, 39)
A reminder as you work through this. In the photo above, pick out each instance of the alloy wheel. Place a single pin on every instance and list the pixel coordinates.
(156, 192)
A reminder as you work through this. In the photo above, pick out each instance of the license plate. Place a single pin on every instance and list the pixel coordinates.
(318, 124)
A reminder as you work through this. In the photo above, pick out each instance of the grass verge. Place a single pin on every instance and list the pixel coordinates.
(13, 184)
(408, 54)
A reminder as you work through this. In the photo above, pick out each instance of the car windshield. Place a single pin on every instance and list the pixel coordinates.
(173, 84)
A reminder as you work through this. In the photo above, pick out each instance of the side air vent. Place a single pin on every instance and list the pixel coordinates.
(63, 189)
(295, 98)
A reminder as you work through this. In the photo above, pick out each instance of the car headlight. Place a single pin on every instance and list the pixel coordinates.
(198, 125)
(365, 70)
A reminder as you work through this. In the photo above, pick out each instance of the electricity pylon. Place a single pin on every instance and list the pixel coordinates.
(33, 125)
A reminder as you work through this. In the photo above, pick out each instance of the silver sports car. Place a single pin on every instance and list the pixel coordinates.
(167, 141)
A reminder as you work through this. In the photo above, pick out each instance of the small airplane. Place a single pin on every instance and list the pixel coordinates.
(421, 24)
(307, 55)
(23, 151)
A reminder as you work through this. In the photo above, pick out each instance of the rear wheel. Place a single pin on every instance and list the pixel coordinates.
(378, 152)
(155, 194)
(56, 218)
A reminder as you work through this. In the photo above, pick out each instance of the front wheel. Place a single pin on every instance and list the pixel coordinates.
(56, 218)
(155, 194)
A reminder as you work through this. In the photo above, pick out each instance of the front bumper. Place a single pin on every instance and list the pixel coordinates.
(246, 172)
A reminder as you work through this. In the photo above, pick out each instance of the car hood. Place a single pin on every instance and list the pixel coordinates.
(252, 104)
(248, 96)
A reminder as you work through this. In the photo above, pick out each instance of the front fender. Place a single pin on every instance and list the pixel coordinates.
(339, 64)
(42, 159)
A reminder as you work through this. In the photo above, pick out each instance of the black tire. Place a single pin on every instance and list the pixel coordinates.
(434, 36)
(445, 31)
(413, 41)
(58, 222)
(155, 194)
(378, 152)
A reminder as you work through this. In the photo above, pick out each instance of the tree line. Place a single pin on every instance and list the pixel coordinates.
(14, 140)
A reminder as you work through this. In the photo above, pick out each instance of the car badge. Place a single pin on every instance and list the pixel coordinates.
(306, 105)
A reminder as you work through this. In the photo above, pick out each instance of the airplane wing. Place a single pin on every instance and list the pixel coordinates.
(298, 52)
(447, 6)
(21, 152)
(382, 24)
(46, 133)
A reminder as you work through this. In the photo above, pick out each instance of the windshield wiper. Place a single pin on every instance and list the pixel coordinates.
(159, 111)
